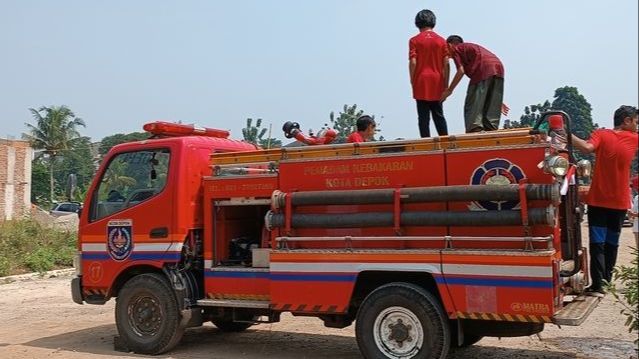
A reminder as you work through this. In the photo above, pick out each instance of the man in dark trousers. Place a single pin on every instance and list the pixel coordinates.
(429, 71)
(609, 195)
(483, 106)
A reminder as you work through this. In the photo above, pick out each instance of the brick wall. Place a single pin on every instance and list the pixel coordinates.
(15, 179)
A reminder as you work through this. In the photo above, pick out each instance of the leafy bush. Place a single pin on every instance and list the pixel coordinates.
(26, 246)
(628, 276)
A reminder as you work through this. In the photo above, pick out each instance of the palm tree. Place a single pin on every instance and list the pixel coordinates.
(116, 177)
(55, 130)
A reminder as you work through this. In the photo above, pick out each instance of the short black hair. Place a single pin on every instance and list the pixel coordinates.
(363, 122)
(456, 39)
(624, 111)
(425, 18)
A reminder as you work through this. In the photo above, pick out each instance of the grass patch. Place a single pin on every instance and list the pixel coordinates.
(26, 246)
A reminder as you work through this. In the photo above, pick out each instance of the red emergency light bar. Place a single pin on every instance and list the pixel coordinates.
(161, 128)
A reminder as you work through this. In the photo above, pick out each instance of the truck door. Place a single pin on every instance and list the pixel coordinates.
(129, 219)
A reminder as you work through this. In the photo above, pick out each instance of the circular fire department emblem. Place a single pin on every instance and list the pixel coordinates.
(496, 172)
(119, 242)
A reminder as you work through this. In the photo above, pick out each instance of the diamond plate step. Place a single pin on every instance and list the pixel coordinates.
(576, 312)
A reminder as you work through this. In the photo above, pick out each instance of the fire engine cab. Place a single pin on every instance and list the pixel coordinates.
(425, 244)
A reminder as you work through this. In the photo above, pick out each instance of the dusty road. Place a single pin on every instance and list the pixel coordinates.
(39, 320)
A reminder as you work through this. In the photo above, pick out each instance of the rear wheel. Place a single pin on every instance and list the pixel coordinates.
(402, 320)
(147, 315)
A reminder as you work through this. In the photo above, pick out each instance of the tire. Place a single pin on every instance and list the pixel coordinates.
(402, 320)
(156, 329)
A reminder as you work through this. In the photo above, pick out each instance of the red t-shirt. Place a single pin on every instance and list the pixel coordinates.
(355, 137)
(479, 63)
(614, 151)
(430, 51)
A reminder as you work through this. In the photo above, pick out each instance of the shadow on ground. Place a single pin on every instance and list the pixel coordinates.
(208, 342)
(596, 347)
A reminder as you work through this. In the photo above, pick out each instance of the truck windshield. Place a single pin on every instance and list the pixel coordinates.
(130, 178)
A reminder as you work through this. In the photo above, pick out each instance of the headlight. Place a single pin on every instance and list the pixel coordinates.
(556, 165)
(584, 168)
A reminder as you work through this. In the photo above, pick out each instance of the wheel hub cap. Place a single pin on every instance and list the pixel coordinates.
(145, 316)
(398, 333)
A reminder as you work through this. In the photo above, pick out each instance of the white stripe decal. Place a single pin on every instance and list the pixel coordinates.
(497, 270)
(453, 269)
(352, 267)
(137, 247)
(176, 247)
(94, 247)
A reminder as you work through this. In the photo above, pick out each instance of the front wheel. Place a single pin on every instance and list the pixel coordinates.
(147, 315)
(402, 320)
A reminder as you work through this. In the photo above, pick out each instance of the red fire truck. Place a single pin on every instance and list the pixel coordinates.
(426, 244)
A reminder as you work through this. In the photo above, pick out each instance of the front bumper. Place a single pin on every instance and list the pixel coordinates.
(76, 290)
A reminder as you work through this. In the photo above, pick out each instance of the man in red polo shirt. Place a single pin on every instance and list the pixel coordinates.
(608, 197)
(429, 71)
(483, 106)
(365, 130)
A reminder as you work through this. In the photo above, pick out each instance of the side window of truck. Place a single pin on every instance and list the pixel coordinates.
(129, 179)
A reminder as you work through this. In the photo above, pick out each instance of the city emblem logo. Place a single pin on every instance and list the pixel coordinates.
(496, 172)
(119, 238)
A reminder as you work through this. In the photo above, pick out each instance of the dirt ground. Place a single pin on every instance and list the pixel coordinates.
(39, 320)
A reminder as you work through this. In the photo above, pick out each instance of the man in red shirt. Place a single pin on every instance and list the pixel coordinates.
(483, 106)
(365, 130)
(609, 192)
(429, 71)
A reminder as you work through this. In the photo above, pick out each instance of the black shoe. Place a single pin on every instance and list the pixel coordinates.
(596, 292)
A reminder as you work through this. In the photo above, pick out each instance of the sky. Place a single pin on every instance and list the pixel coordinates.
(120, 64)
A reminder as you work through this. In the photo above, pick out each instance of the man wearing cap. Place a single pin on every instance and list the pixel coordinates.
(609, 192)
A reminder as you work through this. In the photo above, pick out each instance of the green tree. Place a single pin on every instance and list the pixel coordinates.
(109, 141)
(78, 161)
(116, 178)
(40, 183)
(346, 122)
(569, 100)
(255, 135)
(56, 130)
(531, 114)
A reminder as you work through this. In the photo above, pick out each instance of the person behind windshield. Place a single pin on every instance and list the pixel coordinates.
(115, 196)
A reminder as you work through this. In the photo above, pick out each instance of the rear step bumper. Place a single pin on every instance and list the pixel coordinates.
(576, 312)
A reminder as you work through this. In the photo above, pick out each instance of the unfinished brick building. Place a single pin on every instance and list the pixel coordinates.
(15, 179)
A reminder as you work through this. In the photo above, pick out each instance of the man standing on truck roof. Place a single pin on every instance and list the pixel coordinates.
(365, 130)
(429, 73)
(483, 106)
(609, 192)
